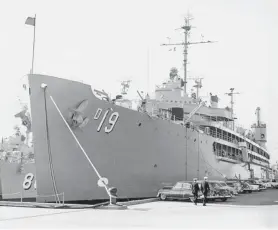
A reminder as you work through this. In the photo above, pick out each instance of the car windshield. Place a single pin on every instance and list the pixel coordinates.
(222, 183)
(178, 185)
(214, 185)
(231, 184)
(187, 186)
(182, 185)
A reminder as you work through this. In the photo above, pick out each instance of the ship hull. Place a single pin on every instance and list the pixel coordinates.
(137, 153)
(12, 181)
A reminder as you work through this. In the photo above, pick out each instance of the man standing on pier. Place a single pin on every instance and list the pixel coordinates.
(205, 189)
(195, 190)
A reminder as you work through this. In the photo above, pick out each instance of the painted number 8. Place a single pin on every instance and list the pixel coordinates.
(27, 183)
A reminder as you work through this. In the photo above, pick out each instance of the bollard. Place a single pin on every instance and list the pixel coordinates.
(113, 195)
(113, 201)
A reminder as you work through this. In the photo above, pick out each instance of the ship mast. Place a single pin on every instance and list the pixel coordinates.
(187, 27)
(231, 94)
(198, 86)
(258, 116)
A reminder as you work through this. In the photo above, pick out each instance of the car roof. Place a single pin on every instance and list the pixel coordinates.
(198, 181)
(184, 182)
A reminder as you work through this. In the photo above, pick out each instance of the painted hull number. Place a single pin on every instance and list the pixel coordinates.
(28, 181)
(112, 120)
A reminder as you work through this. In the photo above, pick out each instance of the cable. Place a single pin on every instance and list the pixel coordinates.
(105, 186)
(49, 152)
(203, 158)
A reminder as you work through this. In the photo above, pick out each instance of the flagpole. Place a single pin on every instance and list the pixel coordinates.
(32, 70)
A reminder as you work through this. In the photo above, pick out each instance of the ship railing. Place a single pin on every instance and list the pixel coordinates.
(10, 194)
(219, 135)
(54, 195)
(21, 196)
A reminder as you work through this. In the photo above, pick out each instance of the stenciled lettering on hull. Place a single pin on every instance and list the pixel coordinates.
(29, 181)
(112, 119)
(76, 117)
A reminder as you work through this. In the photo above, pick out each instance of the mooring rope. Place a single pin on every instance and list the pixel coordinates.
(49, 151)
(84, 152)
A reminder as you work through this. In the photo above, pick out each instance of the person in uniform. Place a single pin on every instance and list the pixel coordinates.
(205, 189)
(195, 190)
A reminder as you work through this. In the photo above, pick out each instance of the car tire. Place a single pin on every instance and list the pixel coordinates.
(163, 197)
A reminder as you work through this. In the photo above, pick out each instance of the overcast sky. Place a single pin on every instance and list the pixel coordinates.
(104, 42)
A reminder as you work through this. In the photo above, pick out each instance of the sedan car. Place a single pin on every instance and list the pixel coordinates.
(232, 190)
(274, 184)
(183, 191)
(266, 183)
(236, 185)
(180, 191)
(254, 187)
(257, 182)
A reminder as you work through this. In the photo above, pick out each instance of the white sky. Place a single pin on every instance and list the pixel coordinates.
(103, 42)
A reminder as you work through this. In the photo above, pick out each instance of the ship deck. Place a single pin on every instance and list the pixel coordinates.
(157, 214)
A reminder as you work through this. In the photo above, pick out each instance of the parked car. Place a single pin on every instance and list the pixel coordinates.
(232, 190)
(274, 184)
(236, 185)
(257, 182)
(182, 190)
(246, 187)
(267, 183)
(217, 191)
(254, 187)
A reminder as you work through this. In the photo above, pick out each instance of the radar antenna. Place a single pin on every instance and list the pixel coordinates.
(187, 27)
(125, 86)
(198, 86)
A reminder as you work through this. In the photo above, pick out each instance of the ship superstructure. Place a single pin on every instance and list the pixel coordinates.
(232, 144)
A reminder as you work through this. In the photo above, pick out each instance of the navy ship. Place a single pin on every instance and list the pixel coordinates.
(17, 165)
(86, 142)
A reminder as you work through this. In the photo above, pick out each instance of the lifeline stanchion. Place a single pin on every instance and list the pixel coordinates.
(63, 198)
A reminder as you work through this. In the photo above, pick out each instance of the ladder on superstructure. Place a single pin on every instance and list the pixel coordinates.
(194, 111)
